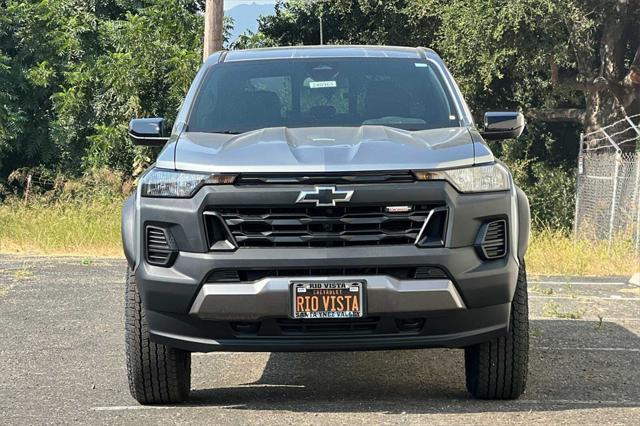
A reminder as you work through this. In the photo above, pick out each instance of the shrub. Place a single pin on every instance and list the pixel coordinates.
(48, 187)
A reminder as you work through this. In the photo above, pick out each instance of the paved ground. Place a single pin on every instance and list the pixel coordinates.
(62, 361)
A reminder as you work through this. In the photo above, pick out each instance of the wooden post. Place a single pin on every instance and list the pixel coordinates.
(28, 188)
(213, 27)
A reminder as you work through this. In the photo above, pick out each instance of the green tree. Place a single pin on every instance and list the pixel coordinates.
(38, 41)
(146, 64)
(251, 40)
(73, 73)
(348, 21)
(572, 61)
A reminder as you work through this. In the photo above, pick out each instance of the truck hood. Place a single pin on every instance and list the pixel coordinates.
(322, 149)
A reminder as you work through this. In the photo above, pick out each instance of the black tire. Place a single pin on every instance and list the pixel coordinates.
(498, 369)
(157, 374)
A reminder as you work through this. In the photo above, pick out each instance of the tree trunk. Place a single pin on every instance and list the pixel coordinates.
(213, 27)
(605, 99)
(611, 90)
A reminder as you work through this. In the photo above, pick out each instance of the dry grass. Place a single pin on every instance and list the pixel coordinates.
(86, 229)
(557, 253)
(92, 229)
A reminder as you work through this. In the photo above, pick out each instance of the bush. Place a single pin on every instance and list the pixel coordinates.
(552, 197)
(551, 191)
(543, 167)
(48, 187)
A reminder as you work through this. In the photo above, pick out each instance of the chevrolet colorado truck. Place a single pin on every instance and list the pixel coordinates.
(325, 199)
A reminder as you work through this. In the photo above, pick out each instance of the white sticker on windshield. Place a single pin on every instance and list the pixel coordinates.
(420, 64)
(322, 84)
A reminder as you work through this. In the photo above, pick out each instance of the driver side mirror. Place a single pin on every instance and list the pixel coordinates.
(148, 131)
(502, 125)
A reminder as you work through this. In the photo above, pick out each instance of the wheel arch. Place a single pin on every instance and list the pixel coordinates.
(524, 223)
(128, 223)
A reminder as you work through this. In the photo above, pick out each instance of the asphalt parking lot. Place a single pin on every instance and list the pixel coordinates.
(62, 361)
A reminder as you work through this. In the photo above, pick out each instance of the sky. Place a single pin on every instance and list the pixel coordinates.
(228, 4)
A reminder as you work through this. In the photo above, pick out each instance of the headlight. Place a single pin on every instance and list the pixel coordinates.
(493, 177)
(177, 184)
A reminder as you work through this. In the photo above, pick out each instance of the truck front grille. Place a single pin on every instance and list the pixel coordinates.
(327, 226)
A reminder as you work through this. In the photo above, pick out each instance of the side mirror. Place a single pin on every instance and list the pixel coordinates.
(148, 131)
(502, 125)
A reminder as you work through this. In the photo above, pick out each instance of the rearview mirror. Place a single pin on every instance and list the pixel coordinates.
(148, 131)
(502, 125)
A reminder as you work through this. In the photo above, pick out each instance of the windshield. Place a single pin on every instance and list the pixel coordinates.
(237, 97)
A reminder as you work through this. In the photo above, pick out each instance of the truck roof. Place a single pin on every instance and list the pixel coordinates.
(323, 52)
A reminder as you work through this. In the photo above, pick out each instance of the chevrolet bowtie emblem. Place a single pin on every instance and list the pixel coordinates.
(324, 196)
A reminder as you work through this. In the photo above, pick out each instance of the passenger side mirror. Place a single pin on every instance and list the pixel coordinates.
(148, 131)
(502, 125)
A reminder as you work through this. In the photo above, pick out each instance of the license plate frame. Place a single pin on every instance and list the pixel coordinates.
(326, 293)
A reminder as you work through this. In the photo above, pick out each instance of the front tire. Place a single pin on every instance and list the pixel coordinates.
(157, 374)
(498, 369)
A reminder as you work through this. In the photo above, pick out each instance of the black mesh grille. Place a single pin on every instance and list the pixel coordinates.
(335, 327)
(429, 272)
(493, 241)
(401, 273)
(159, 251)
(325, 226)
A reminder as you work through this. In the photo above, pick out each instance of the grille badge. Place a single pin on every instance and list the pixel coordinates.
(324, 196)
(398, 209)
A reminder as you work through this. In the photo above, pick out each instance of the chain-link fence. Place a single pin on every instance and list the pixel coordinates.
(608, 187)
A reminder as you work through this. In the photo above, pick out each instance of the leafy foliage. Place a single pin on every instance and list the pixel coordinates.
(347, 21)
(75, 72)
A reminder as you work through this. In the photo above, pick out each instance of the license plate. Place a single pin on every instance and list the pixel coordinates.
(327, 299)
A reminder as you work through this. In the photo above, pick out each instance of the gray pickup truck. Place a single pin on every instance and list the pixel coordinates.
(325, 199)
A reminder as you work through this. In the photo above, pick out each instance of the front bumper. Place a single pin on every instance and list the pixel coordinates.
(451, 329)
(183, 310)
(270, 297)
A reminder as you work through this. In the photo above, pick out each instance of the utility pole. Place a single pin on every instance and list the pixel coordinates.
(213, 27)
(320, 13)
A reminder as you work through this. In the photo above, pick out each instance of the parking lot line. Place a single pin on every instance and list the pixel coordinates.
(592, 319)
(585, 349)
(574, 402)
(613, 283)
(134, 407)
(517, 401)
(613, 297)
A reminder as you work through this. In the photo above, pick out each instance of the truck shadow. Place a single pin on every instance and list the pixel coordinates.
(573, 365)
